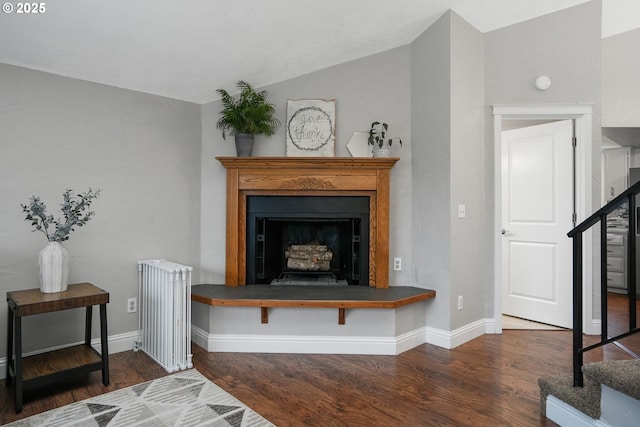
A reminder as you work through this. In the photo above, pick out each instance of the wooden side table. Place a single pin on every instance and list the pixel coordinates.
(45, 368)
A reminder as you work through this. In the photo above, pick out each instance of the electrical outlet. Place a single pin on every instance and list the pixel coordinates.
(462, 211)
(460, 302)
(132, 305)
(397, 264)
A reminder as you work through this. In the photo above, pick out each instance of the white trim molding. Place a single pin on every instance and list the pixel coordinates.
(296, 344)
(566, 415)
(341, 345)
(542, 111)
(452, 339)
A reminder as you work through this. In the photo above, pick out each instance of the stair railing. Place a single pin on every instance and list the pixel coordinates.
(628, 196)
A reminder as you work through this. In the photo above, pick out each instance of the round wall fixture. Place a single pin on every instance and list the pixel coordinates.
(543, 83)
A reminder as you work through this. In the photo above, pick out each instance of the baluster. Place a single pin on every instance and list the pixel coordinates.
(631, 262)
(604, 332)
(577, 310)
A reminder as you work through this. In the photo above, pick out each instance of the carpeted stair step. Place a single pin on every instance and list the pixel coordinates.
(620, 375)
(585, 399)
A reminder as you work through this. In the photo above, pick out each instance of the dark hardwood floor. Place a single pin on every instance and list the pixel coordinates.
(618, 315)
(489, 381)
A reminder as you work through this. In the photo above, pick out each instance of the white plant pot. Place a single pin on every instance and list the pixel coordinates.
(54, 268)
(385, 151)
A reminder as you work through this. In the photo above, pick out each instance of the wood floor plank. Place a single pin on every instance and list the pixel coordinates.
(489, 381)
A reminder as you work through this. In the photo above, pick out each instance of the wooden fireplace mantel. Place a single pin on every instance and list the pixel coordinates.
(308, 176)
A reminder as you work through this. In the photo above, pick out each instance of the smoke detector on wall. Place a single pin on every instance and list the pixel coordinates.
(543, 83)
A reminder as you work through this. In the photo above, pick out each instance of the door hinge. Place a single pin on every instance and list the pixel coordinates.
(574, 218)
(574, 141)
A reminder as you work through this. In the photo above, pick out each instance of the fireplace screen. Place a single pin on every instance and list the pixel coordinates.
(308, 240)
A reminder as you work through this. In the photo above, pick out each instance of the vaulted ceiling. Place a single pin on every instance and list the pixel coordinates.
(186, 49)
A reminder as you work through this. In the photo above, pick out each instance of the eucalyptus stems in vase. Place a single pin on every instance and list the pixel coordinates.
(54, 258)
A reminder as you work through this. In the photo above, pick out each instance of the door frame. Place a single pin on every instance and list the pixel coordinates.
(582, 115)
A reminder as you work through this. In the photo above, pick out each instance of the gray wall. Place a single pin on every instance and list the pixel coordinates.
(448, 169)
(565, 46)
(431, 166)
(451, 74)
(164, 193)
(620, 82)
(143, 151)
(470, 250)
(372, 88)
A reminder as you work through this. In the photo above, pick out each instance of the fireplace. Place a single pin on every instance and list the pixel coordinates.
(253, 182)
(332, 228)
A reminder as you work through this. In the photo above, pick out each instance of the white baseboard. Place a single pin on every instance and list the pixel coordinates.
(341, 345)
(116, 343)
(452, 339)
(200, 337)
(596, 327)
(307, 344)
(565, 415)
(411, 340)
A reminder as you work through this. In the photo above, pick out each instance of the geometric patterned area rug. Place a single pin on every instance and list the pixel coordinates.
(182, 399)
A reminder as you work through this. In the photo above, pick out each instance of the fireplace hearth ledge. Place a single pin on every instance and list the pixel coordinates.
(220, 326)
(340, 297)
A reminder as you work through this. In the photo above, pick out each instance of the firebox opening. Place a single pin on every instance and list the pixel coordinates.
(307, 240)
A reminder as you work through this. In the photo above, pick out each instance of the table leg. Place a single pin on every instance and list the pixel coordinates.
(87, 325)
(18, 363)
(104, 344)
(10, 315)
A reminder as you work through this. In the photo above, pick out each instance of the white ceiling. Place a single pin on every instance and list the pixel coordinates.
(186, 49)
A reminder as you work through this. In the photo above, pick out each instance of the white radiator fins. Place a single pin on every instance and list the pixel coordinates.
(164, 317)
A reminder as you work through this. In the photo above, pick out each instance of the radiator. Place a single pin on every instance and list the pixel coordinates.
(164, 313)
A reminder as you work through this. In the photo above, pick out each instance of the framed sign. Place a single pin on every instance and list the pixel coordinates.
(311, 128)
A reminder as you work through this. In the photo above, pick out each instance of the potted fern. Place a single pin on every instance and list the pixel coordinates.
(248, 115)
(378, 139)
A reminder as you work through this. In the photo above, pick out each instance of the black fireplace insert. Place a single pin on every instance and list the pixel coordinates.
(341, 223)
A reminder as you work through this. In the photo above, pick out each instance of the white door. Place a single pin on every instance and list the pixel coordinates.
(537, 209)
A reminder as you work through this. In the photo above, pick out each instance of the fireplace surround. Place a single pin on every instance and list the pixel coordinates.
(307, 177)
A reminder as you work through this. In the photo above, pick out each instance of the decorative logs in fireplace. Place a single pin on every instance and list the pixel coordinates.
(311, 257)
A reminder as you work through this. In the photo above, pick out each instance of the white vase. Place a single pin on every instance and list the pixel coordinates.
(54, 268)
(384, 151)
